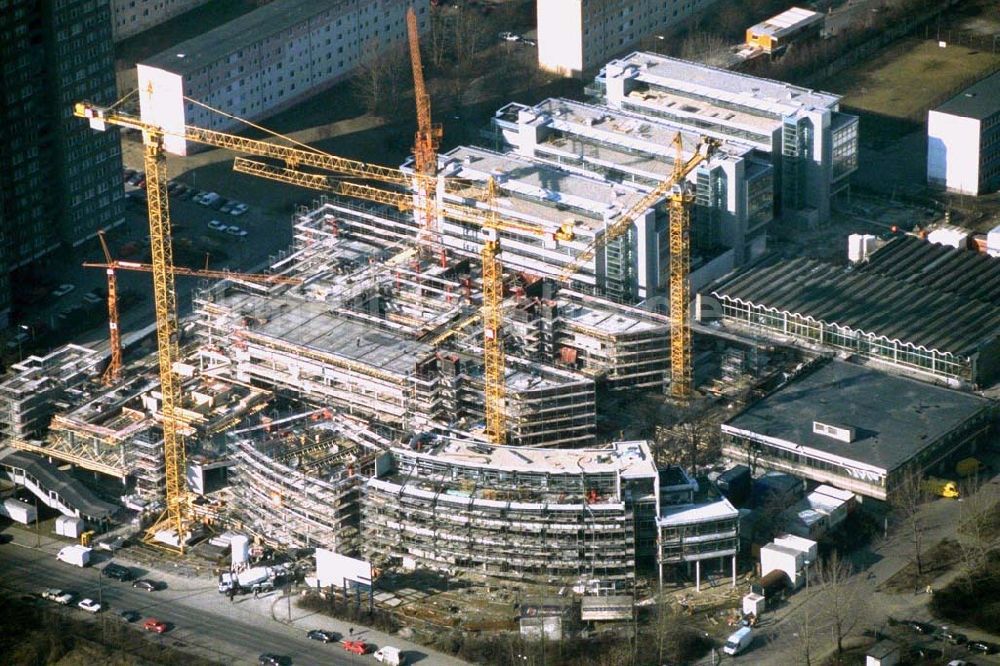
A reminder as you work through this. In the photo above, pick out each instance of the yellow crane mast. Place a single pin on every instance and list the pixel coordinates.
(426, 141)
(679, 197)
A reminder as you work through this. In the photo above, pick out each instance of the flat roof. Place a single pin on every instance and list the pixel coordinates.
(773, 97)
(624, 458)
(894, 417)
(787, 21)
(980, 100)
(256, 26)
(314, 325)
(639, 132)
(605, 321)
(683, 514)
(526, 184)
(865, 301)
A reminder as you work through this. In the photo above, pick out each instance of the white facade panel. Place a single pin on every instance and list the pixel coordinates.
(953, 152)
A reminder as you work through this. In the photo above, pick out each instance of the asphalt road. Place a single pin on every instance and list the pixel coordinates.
(216, 634)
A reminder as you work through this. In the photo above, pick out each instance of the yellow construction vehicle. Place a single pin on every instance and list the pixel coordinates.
(940, 487)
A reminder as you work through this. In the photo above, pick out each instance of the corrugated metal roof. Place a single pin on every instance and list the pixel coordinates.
(971, 275)
(898, 309)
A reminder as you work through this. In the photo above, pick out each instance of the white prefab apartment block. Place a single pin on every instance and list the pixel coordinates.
(963, 140)
(578, 35)
(734, 188)
(812, 145)
(273, 57)
(130, 17)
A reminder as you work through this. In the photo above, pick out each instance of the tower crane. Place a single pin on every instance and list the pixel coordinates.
(112, 374)
(177, 514)
(679, 198)
(426, 141)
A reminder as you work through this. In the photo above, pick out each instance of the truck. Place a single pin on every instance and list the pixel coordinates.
(738, 642)
(255, 578)
(390, 655)
(940, 487)
(78, 556)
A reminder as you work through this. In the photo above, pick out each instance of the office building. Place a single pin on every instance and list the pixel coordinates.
(963, 140)
(811, 143)
(734, 188)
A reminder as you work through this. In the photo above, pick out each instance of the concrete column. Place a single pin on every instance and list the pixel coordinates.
(734, 571)
(697, 575)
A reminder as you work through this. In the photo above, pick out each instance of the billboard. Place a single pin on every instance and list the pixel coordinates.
(339, 570)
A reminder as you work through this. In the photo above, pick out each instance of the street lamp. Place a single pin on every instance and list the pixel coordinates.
(807, 563)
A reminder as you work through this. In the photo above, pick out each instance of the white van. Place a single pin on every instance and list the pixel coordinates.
(739, 641)
(390, 655)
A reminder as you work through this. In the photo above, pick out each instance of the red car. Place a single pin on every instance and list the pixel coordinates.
(152, 624)
(357, 647)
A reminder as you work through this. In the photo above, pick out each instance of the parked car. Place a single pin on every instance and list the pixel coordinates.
(182, 191)
(89, 605)
(216, 225)
(923, 652)
(920, 627)
(58, 596)
(982, 647)
(509, 37)
(951, 636)
(217, 204)
(127, 173)
(324, 636)
(117, 571)
(270, 659)
(63, 289)
(172, 186)
(146, 584)
(239, 209)
(135, 178)
(154, 625)
(236, 231)
(92, 298)
(529, 42)
(129, 615)
(356, 647)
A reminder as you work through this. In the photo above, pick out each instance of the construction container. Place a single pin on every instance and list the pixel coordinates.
(993, 242)
(859, 247)
(19, 511)
(69, 526)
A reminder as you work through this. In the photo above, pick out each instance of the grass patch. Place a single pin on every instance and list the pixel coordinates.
(911, 77)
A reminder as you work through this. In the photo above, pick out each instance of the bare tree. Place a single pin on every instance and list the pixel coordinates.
(979, 528)
(704, 47)
(804, 623)
(382, 78)
(843, 601)
(906, 499)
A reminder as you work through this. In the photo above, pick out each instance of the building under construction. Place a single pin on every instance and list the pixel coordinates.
(535, 515)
